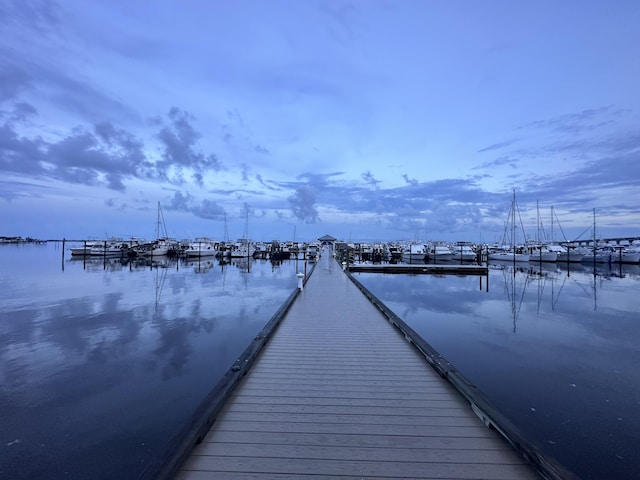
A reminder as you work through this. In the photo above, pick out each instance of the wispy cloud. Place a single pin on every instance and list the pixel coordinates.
(498, 146)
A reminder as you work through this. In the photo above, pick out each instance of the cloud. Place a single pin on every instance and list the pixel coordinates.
(370, 179)
(302, 204)
(180, 201)
(106, 155)
(180, 140)
(207, 209)
(497, 146)
(265, 183)
(410, 181)
(499, 162)
(245, 172)
(585, 120)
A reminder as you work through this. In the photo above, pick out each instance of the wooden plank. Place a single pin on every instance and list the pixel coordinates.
(361, 379)
(203, 475)
(353, 393)
(387, 454)
(490, 442)
(366, 469)
(363, 401)
(294, 408)
(477, 430)
(325, 389)
(337, 373)
(459, 420)
(198, 475)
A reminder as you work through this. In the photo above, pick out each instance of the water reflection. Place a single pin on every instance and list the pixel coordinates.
(554, 347)
(111, 356)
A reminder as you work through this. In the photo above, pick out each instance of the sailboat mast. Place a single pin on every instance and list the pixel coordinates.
(158, 223)
(513, 226)
(513, 219)
(161, 228)
(538, 220)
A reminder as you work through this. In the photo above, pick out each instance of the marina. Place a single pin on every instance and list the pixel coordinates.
(107, 362)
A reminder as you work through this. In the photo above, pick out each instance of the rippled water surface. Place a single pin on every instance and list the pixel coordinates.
(102, 362)
(556, 349)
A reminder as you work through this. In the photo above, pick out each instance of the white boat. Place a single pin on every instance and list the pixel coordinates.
(462, 252)
(414, 253)
(163, 246)
(313, 251)
(262, 250)
(439, 253)
(107, 248)
(201, 247)
(620, 254)
(568, 254)
(243, 248)
(540, 252)
(508, 256)
(85, 249)
(597, 255)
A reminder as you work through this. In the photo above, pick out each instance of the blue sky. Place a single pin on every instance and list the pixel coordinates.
(366, 120)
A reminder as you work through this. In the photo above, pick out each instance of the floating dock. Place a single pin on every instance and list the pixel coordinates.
(420, 268)
(338, 389)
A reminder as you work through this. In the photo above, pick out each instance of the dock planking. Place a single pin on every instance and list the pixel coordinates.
(338, 392)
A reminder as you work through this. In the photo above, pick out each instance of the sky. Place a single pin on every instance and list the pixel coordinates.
(291, 119)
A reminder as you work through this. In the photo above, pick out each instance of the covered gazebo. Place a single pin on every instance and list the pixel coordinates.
(327, 240)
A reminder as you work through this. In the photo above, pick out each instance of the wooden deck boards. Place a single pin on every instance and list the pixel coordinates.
(339, 393)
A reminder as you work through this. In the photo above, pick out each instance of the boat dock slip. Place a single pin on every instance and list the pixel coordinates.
(338, 392)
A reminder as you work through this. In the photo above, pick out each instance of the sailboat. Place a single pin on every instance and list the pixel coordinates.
(539, 250)
(243, 247)
(509, 252)
(163, 244)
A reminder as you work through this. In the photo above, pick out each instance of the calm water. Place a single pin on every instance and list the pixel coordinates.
(556, 350)
(100, 364)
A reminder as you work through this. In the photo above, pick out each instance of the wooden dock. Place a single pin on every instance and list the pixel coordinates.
(338, 392)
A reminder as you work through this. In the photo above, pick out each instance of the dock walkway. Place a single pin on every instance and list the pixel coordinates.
(338, 393)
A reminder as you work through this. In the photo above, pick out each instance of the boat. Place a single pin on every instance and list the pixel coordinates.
(277, 252)
(540, 252)
(623, 254)
(439, 252)
(162, 245)
(414, 253)
(508, 254)
(510, 251)
(313, 251)
(113, 247)
(566, 254)
(84, 250)
(462, 252)
(597, 255)
(242, 248)
(201, 247)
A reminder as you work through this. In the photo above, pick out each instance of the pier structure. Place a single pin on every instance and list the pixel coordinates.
(339, 391)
